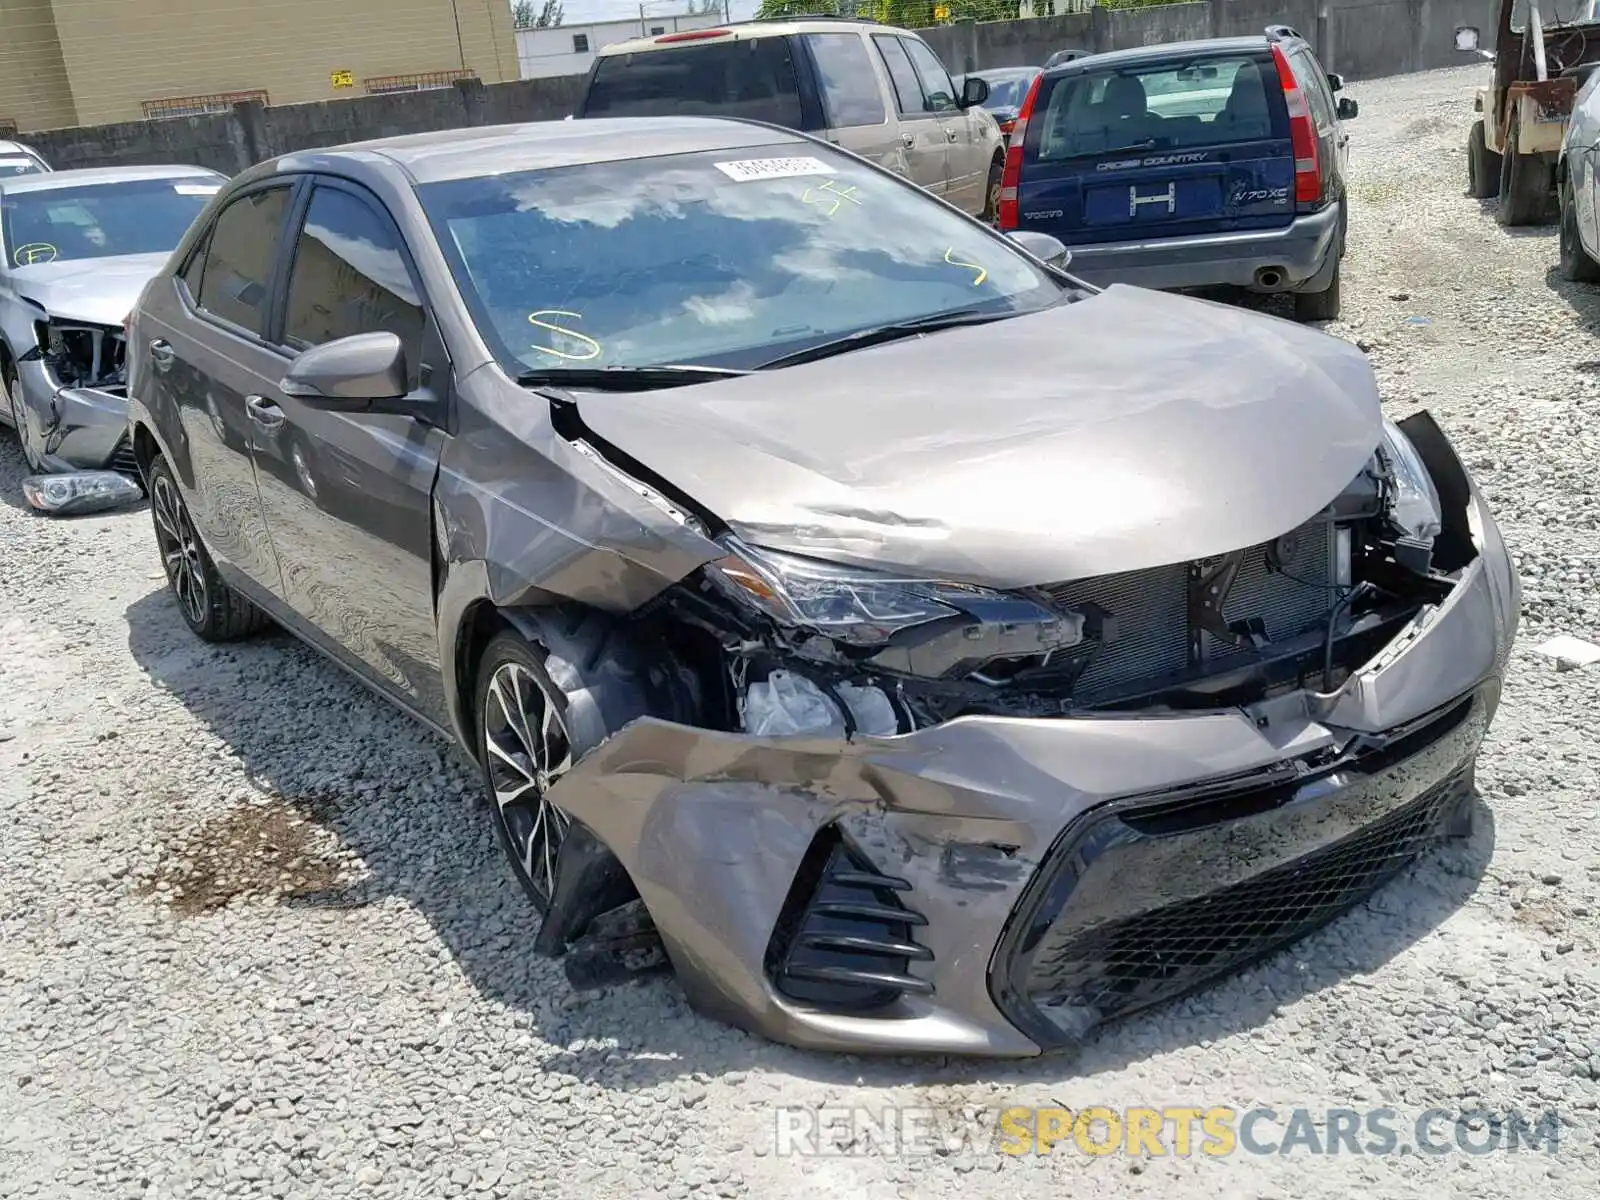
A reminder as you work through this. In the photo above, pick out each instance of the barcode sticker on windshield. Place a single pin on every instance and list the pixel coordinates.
(747, 169)
(197, 189)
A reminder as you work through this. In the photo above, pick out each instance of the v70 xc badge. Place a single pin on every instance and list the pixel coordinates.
(1169, 198)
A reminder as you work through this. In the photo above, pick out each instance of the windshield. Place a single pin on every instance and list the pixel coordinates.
(102, 220)
(727, 258)
(1556, 12)
(1007, 91)
(752, 78)
(12, 165)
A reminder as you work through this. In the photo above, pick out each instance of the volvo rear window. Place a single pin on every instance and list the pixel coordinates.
(752, 78)
(1160, 106)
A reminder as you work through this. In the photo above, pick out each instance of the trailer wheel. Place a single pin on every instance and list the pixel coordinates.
(1483, 166)
(1524, 186)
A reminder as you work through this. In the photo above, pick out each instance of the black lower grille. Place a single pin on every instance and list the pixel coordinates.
(1081, 978)
(123, 459)
(844, 940)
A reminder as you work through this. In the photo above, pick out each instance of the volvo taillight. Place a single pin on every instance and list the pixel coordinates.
(1012, 175)
(1302, 133)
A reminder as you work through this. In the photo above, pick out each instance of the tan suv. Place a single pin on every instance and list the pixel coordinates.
(873, 89)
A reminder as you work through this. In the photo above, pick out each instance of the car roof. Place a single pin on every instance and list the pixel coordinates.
(89, 176)
(10, 147)
(1136, 55)
(743, 31)
(499, 149)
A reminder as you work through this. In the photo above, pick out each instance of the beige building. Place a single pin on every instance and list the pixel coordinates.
(92, 62)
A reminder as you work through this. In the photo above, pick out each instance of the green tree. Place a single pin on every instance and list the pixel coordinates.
(777, 9)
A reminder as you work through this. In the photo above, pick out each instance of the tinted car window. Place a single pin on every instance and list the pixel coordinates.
(12, 165)
(938, 92)
(1006, 91)
(349, 277)
(1161, 106)
(730, 257)
(752, 77)
(1315, 85)
(907, 88)
(849, 84)
(103, 220)
(238, 265)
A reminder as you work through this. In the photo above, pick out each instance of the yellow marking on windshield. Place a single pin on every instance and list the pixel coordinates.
(832, 195)
(983, 272)
(594, 346)
(34, 253)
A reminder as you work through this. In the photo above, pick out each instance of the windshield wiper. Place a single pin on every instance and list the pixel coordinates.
(875, 334)
(626, 379)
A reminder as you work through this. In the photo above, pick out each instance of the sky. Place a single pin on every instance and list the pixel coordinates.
(579, 11)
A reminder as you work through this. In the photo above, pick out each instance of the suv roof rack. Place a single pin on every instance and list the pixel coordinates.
(1281, 33)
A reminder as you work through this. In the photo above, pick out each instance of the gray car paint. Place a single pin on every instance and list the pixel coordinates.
(73, 428)
(1084, 454)
(484, 506)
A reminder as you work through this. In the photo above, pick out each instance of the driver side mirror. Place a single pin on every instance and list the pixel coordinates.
(1335, 82)
(1048, 250)
(350, 373)
(1348, 109)
(974, 91)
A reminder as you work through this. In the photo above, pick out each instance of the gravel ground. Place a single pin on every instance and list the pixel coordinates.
(254, 940)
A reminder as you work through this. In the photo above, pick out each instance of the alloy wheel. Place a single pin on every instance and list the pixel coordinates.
(180, 549)
(13, 390)
(527, 750)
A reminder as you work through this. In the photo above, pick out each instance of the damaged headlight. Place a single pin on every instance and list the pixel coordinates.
(1414, 504)
(83, 492)
(863, 608)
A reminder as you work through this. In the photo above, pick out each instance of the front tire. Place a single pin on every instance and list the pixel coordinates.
(991, 193)
(1576, 265)
(1483, 166)
(212, 610)
(19, 419)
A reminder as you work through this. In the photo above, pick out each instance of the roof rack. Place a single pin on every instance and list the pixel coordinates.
(1280, 33)
(807, 17)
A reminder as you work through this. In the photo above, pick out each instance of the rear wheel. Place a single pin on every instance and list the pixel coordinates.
(211, 609)
(1483, 166)
(13, 387)
(1319, 306)
(991, 195)
(1524, 186)
(1576, 265)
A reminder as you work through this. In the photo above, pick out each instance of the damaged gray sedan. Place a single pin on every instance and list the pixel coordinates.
(911, 647)
(76, 248)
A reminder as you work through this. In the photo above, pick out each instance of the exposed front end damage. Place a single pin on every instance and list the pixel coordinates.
(74, 397)
(948, 818)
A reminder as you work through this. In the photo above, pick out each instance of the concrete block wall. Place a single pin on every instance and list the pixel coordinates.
(1358, 38)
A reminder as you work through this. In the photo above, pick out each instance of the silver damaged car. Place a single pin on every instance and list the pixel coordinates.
(76, 248)
(912, 647)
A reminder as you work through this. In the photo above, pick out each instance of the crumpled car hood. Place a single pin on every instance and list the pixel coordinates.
(1129, 430)
(98, 290)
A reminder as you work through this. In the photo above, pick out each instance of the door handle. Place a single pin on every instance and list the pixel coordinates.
(949, 135)
(161, 352)
(267, 415)
(908, 140)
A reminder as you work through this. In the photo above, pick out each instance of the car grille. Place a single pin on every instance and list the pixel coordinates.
(1077, 977)
(845, 940)
(123, 459)
(1152, 609)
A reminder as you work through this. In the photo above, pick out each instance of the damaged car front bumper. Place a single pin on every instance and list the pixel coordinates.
(74, 428)
(999, 886)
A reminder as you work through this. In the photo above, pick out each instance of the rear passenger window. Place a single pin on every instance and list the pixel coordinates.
(907, 89)
(237, 275)
(749, 77)
(1315, 85)
(349, 277)
(849, 84)
(1162, 106)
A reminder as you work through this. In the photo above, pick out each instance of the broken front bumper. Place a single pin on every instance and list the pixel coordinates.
(73, 429)
(998, 886)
